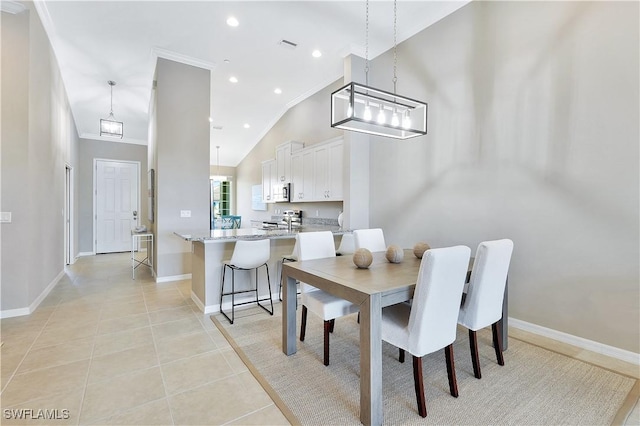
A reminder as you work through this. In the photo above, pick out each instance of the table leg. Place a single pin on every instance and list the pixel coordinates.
(371, 361)
(133, 260)
(289, 345)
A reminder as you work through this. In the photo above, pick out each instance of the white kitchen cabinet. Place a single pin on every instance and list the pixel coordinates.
(327, 171)
(302, 176)
(283, 160)
(268, 180)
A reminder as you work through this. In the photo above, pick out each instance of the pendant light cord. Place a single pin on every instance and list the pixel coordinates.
(366, 46)
(111, 83)
(395, 47)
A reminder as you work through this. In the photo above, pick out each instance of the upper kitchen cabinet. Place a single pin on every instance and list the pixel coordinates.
(327, 171)
(268, 180)
(283, 160)
(302, 176)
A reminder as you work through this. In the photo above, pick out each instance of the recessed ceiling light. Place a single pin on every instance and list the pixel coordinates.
(316, 53)
(233, 79)
(277, 90)
(226, 61)
(246, 125)
(232, 21)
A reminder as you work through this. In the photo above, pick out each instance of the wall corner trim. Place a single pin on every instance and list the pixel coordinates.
(169, 278)
(9, 313)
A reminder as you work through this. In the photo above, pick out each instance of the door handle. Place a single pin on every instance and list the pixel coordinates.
(135, 214)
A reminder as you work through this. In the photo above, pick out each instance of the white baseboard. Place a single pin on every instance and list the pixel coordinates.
(590, 345)
(9, 313)
(86, 253)
(205, 309)
(173, 278)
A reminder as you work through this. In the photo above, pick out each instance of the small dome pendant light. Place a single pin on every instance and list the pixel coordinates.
(110, 126)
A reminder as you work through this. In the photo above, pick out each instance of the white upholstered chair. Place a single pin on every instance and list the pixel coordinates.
(347, 245)
(318, 245)
(482, 306)
(429, 324)
(247, 255)
(371, 239)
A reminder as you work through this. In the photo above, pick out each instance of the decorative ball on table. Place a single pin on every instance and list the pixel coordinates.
(362, 258)
(394, 254)
(419, 249)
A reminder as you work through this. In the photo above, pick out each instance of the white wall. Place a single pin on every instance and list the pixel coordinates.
(533, 136)
(38, 140)
(180, 140)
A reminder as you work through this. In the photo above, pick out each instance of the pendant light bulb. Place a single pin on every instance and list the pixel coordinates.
(406, 120)
(367, 113)
(381, 117)
(395, 121)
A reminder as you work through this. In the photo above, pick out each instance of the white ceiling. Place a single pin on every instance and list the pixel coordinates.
(96, 41)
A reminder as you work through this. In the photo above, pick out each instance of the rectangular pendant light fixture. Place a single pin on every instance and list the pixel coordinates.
(111, 128)
(363, 109)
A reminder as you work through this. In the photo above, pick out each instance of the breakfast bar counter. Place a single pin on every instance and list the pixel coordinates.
(211, 247)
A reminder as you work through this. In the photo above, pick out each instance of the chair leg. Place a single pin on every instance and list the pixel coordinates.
(224, 269)
(419, 386)
(401, 355)
(451, 370)
(327, 329)
(269, 285)
(303, 326)
(473, 345)
(280, 280)
(332, 325)
(497, 343)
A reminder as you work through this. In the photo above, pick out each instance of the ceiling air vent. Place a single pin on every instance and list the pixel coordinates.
(214, 127)
(288, 44)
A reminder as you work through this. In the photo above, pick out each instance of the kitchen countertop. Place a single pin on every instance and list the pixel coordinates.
(221, 235)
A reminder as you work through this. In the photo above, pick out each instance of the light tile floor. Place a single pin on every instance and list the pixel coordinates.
(111, 350)
(105, 349)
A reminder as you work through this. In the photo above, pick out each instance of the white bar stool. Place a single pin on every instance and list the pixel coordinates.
(247, 255)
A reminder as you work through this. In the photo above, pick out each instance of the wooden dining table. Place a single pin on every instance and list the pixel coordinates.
(382, 284)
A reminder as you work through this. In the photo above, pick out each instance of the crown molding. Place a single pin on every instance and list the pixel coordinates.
(158, 52)
(12, 7)
(97, 137)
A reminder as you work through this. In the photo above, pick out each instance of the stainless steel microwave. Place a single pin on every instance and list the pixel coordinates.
(282, 193)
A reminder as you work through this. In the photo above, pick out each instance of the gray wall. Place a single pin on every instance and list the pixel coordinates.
(180, 151)
(533, 136)
(90, 149)
(38, 140)
(306, 122)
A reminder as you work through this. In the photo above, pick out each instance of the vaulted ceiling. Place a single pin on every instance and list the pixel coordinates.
(97, 41)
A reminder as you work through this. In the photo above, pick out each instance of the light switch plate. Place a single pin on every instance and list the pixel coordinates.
(5, 217)
(185, 213)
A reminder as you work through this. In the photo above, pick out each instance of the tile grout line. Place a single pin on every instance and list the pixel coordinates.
(155, 348)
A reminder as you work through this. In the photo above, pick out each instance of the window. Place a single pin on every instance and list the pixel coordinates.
(220, 198)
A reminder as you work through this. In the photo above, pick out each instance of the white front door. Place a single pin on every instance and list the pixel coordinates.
(117, 204)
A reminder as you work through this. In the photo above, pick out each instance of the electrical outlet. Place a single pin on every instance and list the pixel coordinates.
(185, 213)
(317, 213)
(5, 217)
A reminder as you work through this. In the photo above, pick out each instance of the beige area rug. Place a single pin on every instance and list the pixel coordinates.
(535, 387)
